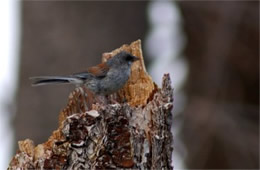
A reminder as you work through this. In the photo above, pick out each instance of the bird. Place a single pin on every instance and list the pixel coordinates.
(103, 79)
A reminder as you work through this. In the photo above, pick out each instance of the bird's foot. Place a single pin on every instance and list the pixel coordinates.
(83, 97)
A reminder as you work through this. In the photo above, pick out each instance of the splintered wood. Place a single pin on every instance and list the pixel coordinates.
(129, 129)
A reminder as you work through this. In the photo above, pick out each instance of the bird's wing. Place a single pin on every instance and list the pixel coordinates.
(99, 71)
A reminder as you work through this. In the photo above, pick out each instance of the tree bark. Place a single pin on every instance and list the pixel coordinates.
(129, 129)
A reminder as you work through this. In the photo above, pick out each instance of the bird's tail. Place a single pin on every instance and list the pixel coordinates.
(45, 80)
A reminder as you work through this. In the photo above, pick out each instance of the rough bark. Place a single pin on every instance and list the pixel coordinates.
(130, 129)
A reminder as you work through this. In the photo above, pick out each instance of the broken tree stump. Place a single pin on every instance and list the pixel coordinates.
(129, 129)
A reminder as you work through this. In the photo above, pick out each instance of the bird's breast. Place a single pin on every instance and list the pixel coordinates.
(114, 81)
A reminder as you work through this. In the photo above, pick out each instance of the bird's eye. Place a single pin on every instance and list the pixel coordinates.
(129, 58)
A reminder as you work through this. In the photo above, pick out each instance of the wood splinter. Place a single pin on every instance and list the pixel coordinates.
(133, 132)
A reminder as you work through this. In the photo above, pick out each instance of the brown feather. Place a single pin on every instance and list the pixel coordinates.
(99, 70)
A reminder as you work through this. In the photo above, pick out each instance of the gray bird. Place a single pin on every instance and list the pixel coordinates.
(103, 79)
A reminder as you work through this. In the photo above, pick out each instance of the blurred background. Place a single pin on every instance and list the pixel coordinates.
(210, 49)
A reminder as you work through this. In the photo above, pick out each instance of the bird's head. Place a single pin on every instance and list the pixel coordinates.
(122, 58)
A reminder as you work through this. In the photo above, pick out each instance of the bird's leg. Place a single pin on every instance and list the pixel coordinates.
(82, 92)
(83, 97)
(76, 100)
(101, 99)
(112, 98)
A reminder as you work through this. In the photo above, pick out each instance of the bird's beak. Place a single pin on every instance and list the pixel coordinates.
(135, 58)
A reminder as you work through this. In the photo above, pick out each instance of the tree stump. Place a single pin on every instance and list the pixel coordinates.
(129, 129)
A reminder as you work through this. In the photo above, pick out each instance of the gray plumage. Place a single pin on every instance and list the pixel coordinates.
(105, 78)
